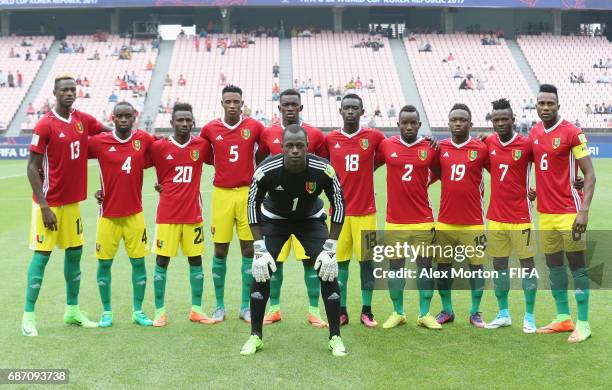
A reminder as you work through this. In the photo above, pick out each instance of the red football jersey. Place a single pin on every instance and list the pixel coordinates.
(122, 163)
(272, 140)
(179, 170)
(510, 170)
(354, 157)
(556, 167)
(64, 145)
(234, 150)
(408, 178)
(462, 197)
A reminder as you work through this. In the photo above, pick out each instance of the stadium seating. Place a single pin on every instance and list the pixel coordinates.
(249, 68)
(100, 73)
(554, 58)
(439, 90)
(12, 97)
(330, 59)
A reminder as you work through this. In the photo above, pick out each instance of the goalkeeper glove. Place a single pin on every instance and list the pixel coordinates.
(326, 262)
(261, 261)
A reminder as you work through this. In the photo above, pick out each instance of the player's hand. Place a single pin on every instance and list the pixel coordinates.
(326, 262)
(482, 137)
(433, 142)
(158, 187)
(579, 183)
(263, 262)
(99, 197)
(581, 222)
(531, 194)
(49, 218)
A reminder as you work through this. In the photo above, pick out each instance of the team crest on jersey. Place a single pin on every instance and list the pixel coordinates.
(516, 154)
(245, 133)
(160, 244)
(472, 154)
(364, 143)
(311, 186)
(79, 127)
(329, 171)
(136, 144)
(195, 154)
(422, 154)
(556, 142)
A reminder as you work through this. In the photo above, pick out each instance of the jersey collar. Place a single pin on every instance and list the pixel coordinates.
(347, 135)
(553, 127)
(406, 144)
(122, 141)
(459, 146)
(171, 138)
(60, 117)
(504, 144)
(283, 127)
(232, 127)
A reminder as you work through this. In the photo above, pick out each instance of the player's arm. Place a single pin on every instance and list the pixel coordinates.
(35, 162)
(586, 167)
(263, 262)
(326, 262)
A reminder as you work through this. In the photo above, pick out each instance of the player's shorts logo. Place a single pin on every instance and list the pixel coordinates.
(364, 143)
(136, 144)
(79, 127)
(472, 154)
(311, 186)
(97, 247)
(245, 133)
(516, 154)
(40, 238)
(195, 154)
(212, 230)
(422, 154)
(160, 244)
(556, 142)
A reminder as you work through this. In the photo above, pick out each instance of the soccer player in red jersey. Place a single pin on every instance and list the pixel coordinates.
(461, 160)
(234, 139)
(409, 211)
(122, 157)
(510, 226)
(559, 148)
(354, 153)
(178, 161)
(290, 106)
(57, 171)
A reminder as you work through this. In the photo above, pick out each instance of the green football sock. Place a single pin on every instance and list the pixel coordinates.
(276, 282)
(558, 287)
(367, 282)
(396, 290)
(502, 288)
(139, 282)
(425, 284)
(72, 274)
(530, 288)
(196, 279)
(343, 275)
(247, 281)
(582, 292)
(444, 287)
(219, 269)
(477, 287)
(104, 282)
(36, 271)
(159, 285)
(313, 284)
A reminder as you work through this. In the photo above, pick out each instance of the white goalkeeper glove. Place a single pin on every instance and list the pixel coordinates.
(262, 262)
(326, 262)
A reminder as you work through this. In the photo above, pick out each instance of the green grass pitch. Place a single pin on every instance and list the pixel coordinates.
(184, 354)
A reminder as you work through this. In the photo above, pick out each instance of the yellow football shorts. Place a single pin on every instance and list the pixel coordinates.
(460, 243)
(168, 237)
(556, 233)
(504, 238)
(69, 231)
(298, 249)
(349, 241)
(131, 229)
(229, 207)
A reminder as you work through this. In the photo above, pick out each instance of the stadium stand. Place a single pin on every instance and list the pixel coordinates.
(439, 90)
(330, 59)
(249, 68)
(102, 74)
(13, 60)
(573, 54)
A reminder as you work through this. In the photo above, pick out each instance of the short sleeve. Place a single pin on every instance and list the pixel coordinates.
(204, 132)
(92, 125)
(379, 159)
(40, 138)
(206, 151)
(92, 147)
(263, 149)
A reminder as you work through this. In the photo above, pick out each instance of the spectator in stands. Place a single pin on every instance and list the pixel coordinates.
(588, 111)
(27, 42)
(275, 70)
(95, 57)
(246, 110)
(425, 47)
(464, 84)
(78, 80)
(577, 123)
(222, 79)
(600, 64)
(80, 94)
(581, 78)
(28, 55)
(450, 57)
(133, 78)
(603, 79)
(19, 79)
(148, 124)
(208, 44)
(596, 110)
(2, 80)
(196, 41)
(608, 63)
(275, 92)
(30, 110)
(149, 66)
(524, 125)
(12, 53)
(302, 87)
(458, 73)
(85, 82)
(391, 112)
(488, 118)
(168, 81)
(480, 84)
(309, 84)
(10, 79)
(371, 84)
(470, 84)
(306, 33)
(112, 98)
(377, 111)
(125, 54)
(181, 81)
(317, 91)
(123, 85)
(468, 73)
(358, 83)
(573, 78)
(350, 85)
